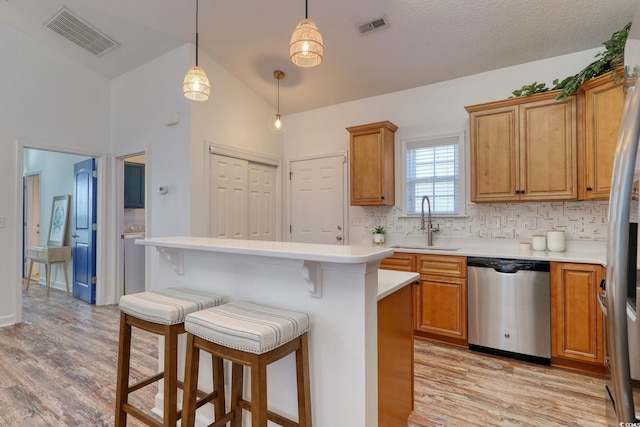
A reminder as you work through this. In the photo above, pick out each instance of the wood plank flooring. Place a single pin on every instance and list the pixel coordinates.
(457, 387)
(58, 367)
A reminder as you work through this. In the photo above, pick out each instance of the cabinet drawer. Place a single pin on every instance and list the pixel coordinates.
(399, 262)
(442, 265)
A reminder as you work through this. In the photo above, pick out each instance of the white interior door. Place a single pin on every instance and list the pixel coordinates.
(32, 216)
(317, 200)
(228, 204)
(262, 202)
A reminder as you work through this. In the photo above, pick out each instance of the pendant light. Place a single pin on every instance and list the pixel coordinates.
(277, 123)
(196, 83)
(306, 48)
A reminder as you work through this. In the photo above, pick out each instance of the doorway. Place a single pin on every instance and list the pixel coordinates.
(48, 174)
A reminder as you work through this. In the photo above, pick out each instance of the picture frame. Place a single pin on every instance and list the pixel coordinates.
(58, 223)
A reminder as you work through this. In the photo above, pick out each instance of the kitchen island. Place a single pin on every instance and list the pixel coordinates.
(336, 285)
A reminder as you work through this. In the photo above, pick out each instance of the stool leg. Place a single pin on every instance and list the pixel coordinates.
(304, 388)
(190, 384)
(48, 278)
(29, 273)
(237, 381)
(259, 393)
(66, 276)
(170, 410)
(218, 386)
(122, 380)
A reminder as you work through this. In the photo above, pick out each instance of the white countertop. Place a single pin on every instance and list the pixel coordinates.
(592, 252)
(342, 254)
(390, 281)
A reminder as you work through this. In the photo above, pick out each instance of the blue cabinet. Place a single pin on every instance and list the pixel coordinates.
(133, 185)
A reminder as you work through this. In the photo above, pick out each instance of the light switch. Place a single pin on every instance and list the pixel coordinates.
(2, 221)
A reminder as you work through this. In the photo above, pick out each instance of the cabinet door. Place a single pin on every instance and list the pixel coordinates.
(494, 154)
(576, 319)
(133, 185)
(548, 144)
(440, 307)
(372, 164)
(603, 105)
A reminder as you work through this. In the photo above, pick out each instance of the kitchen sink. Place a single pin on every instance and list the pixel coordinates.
(425, 248)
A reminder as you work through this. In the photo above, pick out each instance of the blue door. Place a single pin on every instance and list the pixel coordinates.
(84, 243)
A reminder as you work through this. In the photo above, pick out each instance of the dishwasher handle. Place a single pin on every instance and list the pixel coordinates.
(508, 266)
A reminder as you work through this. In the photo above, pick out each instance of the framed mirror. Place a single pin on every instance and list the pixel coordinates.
(59, 214)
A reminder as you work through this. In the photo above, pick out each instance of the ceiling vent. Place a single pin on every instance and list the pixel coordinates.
(73, 28)
(373, 25)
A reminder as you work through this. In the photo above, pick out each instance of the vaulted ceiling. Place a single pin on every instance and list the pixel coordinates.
(424, 41)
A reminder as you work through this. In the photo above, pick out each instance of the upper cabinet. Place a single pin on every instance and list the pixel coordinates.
(372, 164)
(133, 185)
(524, 149)
(603, 105)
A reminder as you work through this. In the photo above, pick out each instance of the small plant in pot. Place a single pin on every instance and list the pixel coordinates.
(378, 235)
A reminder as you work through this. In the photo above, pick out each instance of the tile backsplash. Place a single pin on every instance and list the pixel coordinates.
(580, 220)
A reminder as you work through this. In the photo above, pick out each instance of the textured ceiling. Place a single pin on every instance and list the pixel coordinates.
(426, 41)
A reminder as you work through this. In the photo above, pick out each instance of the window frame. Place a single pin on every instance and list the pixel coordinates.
(462, 172)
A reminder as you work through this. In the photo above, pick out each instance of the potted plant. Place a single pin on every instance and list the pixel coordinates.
(378, 235)
(610, 60)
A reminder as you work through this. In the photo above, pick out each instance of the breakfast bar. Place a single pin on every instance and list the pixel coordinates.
(336, 285)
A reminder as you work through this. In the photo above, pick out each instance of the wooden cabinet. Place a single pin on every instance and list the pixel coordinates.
(395, 358)
(524, 149)
(577, 339)
(441, 298)
(603, 101)
(372, 164)
(133, 185)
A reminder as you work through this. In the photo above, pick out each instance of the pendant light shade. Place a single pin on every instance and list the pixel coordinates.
(196, 85)
(277, 123)
(306, 48)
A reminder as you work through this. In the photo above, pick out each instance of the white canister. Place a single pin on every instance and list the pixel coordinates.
(555, 241)
(538, 242)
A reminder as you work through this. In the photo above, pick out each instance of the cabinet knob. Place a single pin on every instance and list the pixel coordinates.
(589, 189)
(382, 197)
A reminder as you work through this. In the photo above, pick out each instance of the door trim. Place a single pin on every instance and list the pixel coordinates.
(103, 290)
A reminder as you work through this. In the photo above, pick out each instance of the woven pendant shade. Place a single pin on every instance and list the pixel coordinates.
(306, 48)
(196, 84)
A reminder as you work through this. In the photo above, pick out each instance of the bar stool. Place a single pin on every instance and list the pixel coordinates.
(248, 335)
(160, 312)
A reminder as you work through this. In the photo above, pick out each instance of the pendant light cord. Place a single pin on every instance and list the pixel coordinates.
(306, 15)
(278, 96)
(197, 32)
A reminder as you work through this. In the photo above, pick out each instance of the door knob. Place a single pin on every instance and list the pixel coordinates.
(338, 238)
(75, 236)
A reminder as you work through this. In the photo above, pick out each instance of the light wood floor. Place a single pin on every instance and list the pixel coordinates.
(57, 368)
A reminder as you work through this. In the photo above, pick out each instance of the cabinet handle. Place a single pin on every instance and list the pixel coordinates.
(589, 189)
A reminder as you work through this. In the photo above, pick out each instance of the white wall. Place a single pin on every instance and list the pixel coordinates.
(429, 110)
(48, 101)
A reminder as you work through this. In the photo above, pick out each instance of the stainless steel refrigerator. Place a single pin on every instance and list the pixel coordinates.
(618, 300)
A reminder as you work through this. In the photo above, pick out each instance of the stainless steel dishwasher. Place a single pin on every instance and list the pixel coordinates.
(509, 308)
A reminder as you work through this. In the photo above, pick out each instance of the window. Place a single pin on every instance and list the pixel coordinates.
(433, 169)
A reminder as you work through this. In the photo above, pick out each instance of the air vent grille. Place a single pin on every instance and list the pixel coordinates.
(80, 32)
(375, 24)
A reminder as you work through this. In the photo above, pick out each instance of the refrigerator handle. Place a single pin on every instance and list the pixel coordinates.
(617, 256)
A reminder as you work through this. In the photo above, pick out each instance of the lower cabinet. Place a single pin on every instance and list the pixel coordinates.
(577, 336)
(440, 297)
(395, 358)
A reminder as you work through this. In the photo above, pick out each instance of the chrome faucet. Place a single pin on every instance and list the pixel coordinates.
(429, 228)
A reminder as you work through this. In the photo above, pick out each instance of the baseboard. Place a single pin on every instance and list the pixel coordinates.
(7, 320)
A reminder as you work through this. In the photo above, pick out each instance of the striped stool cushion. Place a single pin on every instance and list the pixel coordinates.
(167, 306)
(248, 327)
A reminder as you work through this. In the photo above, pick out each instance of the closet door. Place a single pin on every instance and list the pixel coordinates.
(262, 202)
(228, 197)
